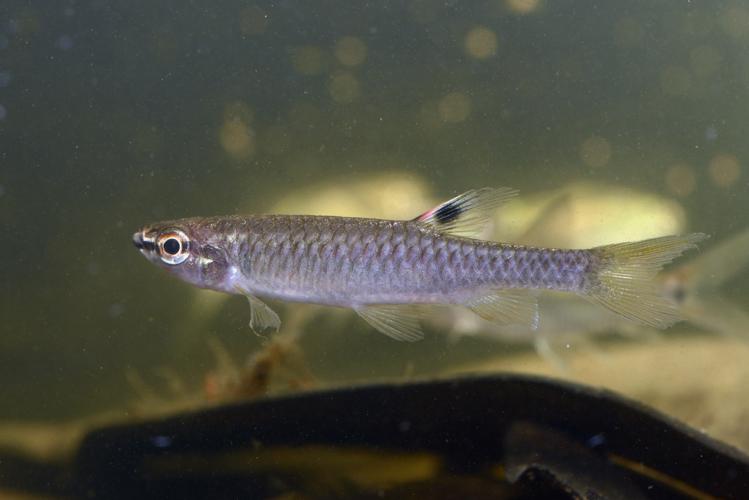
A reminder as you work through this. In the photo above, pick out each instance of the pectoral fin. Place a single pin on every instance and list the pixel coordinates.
(508, 306)
(398, 321)
(467, 213)
(262, 317)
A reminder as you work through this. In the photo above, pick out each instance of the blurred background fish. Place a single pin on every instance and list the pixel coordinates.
(587, 214)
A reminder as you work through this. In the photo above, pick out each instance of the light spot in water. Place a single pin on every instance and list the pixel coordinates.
(350, 51)
(705, 60)
(596, 440)
(253, 21)
(681, 180)
(92, 268)
(307, 60)
(116, 310)
(161, 441)
(523, 6)
(711, 133)
(64, 42)
(26, 23)
(237, 139)
(675, 81)
(5, 79)
(724, 170)
(343, 87)
(628, 32)
(735, 21)
(13, 26)
(404, 426)
(595, 151)
(455, 107)
(481, 43)
(3, 112)
(698, 24)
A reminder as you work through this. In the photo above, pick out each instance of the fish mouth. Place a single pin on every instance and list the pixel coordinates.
(138, 240)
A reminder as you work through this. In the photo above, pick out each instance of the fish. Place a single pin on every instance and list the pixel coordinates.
(391, 271)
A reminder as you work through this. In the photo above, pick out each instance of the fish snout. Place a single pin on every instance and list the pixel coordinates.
(138, 240)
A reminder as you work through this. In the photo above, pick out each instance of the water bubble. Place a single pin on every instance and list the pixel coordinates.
(4, 42)
(4, 79)
(3, 112)
(69, 12)
(65, 42)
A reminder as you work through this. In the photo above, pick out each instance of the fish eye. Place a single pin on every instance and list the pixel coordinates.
(173, 247)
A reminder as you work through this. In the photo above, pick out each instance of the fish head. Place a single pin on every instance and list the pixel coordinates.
(187, 249)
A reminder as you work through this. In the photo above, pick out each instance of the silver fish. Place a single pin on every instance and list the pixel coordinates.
(390, 271)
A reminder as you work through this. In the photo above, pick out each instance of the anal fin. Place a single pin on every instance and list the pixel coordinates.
(507, 306)
(397, 321)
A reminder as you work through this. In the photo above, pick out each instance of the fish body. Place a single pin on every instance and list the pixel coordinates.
(389, 270)
(344, 261)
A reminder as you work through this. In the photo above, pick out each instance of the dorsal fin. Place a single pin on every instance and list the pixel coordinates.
(467, 213)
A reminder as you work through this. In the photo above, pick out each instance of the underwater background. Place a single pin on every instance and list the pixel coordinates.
(115, 114)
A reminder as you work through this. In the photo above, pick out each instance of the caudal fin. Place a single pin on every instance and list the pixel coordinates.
(625, 280)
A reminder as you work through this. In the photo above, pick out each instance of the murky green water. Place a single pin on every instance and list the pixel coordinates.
(113, 115)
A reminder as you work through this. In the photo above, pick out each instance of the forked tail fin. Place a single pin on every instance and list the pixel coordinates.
(625, 280)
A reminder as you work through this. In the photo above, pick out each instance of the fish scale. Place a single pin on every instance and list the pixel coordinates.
(373, 261)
